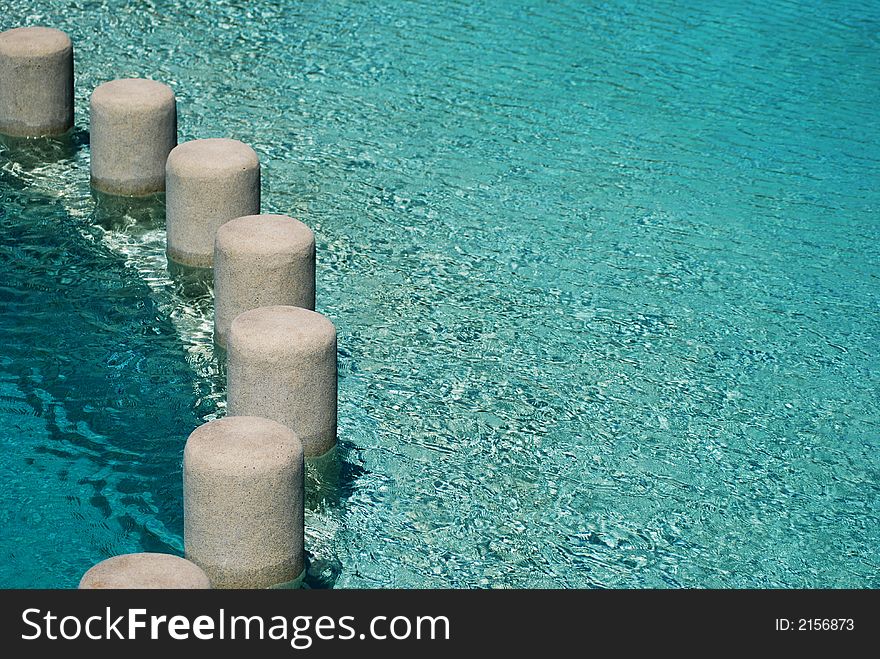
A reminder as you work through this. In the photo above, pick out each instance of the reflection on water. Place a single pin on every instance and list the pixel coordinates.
(33, 154)
(131, 216)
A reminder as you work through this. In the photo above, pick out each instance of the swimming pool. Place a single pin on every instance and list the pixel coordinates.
(605, 278)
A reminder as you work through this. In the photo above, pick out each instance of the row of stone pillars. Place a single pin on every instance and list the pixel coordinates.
(243, 475)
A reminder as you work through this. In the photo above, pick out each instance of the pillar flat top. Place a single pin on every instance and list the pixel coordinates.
(202, 157)
(243, 442)
(133, 92)
(145, 570)
(33, 41)
(265, 234)
(282, 328)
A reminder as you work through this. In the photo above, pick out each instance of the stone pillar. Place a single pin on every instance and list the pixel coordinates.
(281, 364)
(260, 261)
(133, 129)
(36, 82)
(207, 183)
(243, 502)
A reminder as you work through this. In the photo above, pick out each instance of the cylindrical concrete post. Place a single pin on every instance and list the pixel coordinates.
(243, 503)
(259, 261)
(281, 365)
(133, 127)
(36, 82)
(145, 570)
(207, 182)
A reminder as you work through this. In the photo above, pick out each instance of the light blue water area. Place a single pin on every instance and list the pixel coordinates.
(606, 278)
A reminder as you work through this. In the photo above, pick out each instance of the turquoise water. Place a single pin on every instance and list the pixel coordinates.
(606, 278)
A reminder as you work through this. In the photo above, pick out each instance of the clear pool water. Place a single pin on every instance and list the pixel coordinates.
(606, 278)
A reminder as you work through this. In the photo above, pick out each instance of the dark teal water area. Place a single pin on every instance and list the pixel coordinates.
(606, 278)
(94, 396)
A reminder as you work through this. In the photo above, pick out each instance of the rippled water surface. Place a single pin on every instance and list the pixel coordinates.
(606, 278)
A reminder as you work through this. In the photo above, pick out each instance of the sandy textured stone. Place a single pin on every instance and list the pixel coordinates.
(281, 365)
(207, 183)
(145, 570)
(133, 129)
(244, 502)
(36, 82)
(260, 261)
